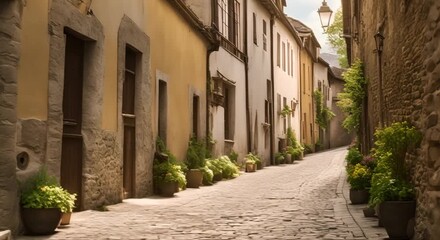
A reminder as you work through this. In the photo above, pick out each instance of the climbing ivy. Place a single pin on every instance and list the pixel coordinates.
(352, 97)
(323, 113)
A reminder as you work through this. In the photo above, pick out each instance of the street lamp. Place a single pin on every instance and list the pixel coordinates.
(378, 38)
(325, 14)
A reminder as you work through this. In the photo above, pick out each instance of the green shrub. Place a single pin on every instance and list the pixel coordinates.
(166, 171)
(208, 175)
(353, 157)
(229, 169)
(233, 156)
(359, 177)
(214, 165)
(196, 154)
(43, 191)
(253, 158)
(390, 180)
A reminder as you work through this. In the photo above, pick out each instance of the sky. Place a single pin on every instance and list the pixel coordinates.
(306, 12)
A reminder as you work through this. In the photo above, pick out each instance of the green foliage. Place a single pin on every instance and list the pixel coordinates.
(196, 154)
(386, 188)
(229, 169)
(279, 157)
(307, 148)
(359, 177)
(390, 181)
(392, 144)
(215, 166)
(354, 156)
(167, 171)
(334, 36)
(43, 191)
(166, 168)
(286, 111)
(351, 99)
(208, 175)
(233, 156)
(323, 113)
(253, 158)
(294, 152)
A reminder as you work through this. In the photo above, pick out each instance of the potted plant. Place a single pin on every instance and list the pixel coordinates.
(279, 158)
(391, 188)
(359, 177)
(195, 160)
(168, 173)
(208, 175)
(43, 201)
(252, 162)
(215, 166)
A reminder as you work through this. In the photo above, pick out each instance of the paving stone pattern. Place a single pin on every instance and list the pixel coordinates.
(305, 200)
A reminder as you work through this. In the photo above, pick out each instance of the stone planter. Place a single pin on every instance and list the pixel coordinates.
(359, 196)
(194, 178)
(398, 218)
(40, 221)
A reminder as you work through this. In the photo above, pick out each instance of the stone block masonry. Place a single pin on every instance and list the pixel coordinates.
(10, 28)
(411, 89)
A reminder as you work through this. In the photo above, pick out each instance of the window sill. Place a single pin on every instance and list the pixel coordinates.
(229, 141)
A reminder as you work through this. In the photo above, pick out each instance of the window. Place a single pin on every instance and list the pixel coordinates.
(284, 57)
(162, 116)
(278, 50)
(288, 58)
(195, 116)
(229, 20)
(285, 119)
(264, 36)
(291, 62)
(229, 108)
(254, 23)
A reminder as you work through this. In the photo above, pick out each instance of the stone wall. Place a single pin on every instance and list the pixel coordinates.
(428, 167)
(10, 29)
(410, 73)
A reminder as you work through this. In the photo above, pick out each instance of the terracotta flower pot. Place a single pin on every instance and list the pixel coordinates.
(65, 218)
(194, 178)
(251, 167)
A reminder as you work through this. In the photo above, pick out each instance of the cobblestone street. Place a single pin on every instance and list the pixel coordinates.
(305, 200)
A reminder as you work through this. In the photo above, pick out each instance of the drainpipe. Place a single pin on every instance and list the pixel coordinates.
(246, 72)
(272, 76)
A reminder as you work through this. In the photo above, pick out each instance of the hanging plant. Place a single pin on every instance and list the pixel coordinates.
(286, 111)
(323, 113)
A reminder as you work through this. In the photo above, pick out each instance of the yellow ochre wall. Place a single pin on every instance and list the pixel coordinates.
(34, 62)
(179, 52)
(307, 96)
(110, 14)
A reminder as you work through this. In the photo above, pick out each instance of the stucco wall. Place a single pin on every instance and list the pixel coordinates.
(178, 54)
(232, 68)
(286, 85)
(306, 101)
(259, 74)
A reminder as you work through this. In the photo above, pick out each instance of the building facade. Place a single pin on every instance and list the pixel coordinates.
(406, 66)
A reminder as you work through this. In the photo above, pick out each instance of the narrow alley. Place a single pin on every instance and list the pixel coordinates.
(303, 200)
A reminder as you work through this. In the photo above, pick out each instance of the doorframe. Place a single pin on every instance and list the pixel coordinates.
(63, 15)
(129, 34)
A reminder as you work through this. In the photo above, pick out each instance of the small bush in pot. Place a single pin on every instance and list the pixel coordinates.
(43, 200)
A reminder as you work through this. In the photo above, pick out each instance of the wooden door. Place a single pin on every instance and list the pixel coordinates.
(128, 116)
(72, 141)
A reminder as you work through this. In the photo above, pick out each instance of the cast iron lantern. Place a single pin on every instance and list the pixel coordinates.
(325, 14)
(378, 38)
